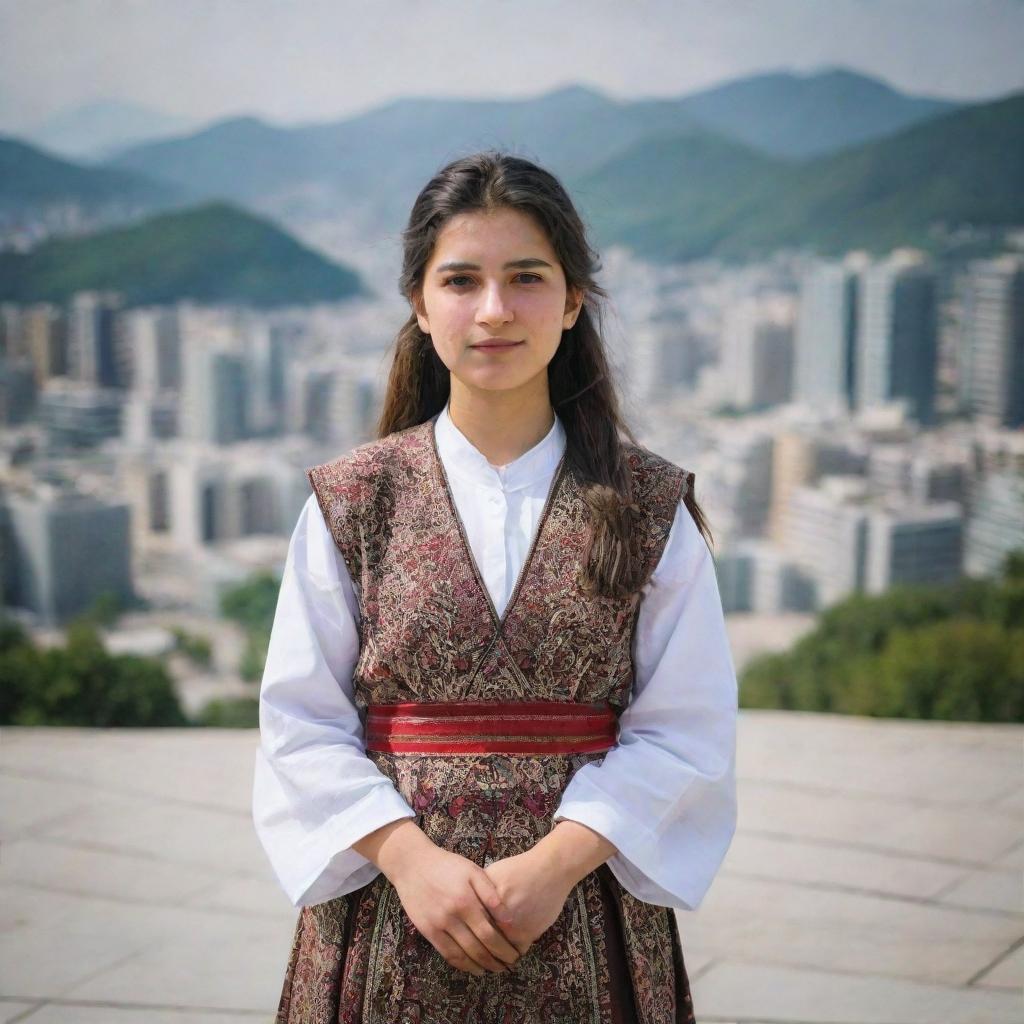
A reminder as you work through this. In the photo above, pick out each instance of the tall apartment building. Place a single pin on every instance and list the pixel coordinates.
(826, 535)
(896, 350)
(757, 351)
(214, 381)
(94, 348)
(826, 330)
(65, 549)
(153, 339)
(11, 334)
(756, 576)
(920, 545)
(76, 416)
(990, 377)
(153, 345)
(736, 480)
(45, 330)
(996, 526)
(799, 458)
(18, 392)
(209, 494)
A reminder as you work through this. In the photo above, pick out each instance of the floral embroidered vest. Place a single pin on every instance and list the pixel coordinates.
(429, 632)
(429, 629)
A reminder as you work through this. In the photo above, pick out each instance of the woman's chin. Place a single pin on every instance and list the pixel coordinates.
(497, 379)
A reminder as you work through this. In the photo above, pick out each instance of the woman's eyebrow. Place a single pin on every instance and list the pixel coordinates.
(529, 261)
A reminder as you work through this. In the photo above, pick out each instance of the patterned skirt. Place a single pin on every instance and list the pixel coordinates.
(609, 958)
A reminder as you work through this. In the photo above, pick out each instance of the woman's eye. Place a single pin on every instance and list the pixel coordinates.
(458, 280)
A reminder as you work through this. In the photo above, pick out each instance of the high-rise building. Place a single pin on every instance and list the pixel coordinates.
(66, 549)
(799, 457)
(18, 392)
(736, 477)
(826, 535)
(996, 526)
(209, 494)
(991, 345)
(77, 416)
(757, 576)
(93, 340)
(922, 545)
(153, 340)
(214, 394)
(44, 327)
(262, 353)
(11, 334)
(896, 347)
(826, 330)
(230, 396)
(757, 351)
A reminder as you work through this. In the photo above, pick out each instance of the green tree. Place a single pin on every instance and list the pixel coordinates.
(230, 713)
(959, 670)
(252, 604)
(82, 684)
(915, 651)
(254, 657)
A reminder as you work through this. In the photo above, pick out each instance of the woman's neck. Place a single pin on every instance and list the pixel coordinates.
(501, 425)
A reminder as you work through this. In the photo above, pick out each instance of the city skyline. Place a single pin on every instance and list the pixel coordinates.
(295, 63)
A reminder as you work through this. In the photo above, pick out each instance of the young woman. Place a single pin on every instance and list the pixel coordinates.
(498, 713)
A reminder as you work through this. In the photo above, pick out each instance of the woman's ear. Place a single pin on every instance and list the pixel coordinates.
(420, 310)
(573, 305)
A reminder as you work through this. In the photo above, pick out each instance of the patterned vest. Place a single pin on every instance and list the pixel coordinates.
(429, 632)
(429, 628)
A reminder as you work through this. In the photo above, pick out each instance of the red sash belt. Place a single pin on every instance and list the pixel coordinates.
(491, 727)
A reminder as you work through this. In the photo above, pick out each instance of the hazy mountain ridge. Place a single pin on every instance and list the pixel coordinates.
(30, 177)
(384, 155)
(963, 167)
(648, 174)
(210, 253)
(98, 130)
(790, 115)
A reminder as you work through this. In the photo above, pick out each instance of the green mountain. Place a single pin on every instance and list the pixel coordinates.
(671, 202)
(724, 172)
(210, 253)
(386, 155)
(30, 178)
(800, 116)
(239, 159)
(671, 193)
(98, 129)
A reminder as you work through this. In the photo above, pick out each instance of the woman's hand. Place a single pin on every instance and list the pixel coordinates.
(533, 893)
(454, 904)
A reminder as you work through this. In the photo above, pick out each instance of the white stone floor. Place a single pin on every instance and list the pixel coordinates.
(875, 878)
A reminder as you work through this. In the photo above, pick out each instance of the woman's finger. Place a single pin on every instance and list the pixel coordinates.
(474, 948)
(455, 955)
(493, 938)
(490, 897)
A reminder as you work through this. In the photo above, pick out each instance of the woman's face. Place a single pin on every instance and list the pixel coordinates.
(494, 277)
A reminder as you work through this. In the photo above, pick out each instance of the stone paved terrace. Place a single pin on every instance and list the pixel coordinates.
(875, 878)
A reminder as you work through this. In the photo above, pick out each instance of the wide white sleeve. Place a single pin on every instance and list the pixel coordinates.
(315, 791)
(665, 796)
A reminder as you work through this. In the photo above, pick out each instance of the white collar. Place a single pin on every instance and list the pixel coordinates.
(464, 459)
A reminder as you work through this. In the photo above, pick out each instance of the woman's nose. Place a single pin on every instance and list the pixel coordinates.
(494, 307)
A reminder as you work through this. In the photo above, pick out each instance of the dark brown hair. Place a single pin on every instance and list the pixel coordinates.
(581, 389)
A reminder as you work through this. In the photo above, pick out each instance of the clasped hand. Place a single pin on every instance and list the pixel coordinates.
(482, 919)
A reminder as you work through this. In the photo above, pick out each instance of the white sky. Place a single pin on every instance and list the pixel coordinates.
(311, 60)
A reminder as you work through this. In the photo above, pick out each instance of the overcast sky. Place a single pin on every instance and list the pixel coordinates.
(306, 60)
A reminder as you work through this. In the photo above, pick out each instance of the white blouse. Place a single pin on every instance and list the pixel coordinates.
(665, 796)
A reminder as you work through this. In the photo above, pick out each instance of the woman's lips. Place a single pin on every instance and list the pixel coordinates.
(496, 346)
